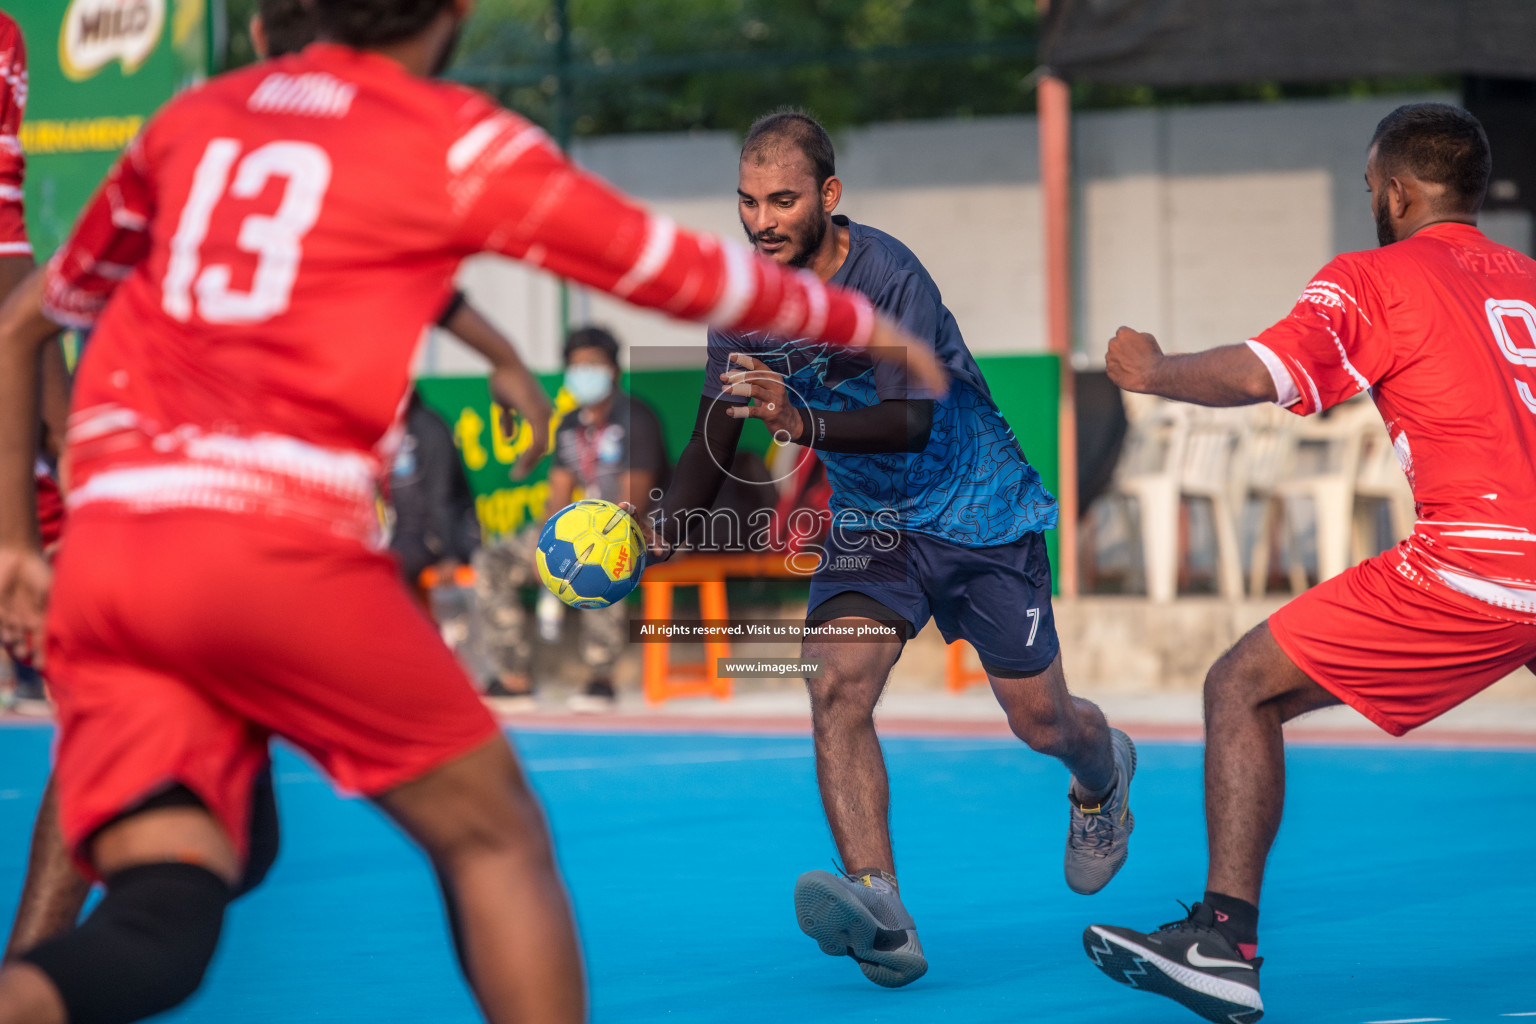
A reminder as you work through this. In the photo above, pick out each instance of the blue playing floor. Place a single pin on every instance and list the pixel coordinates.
(1401, 888)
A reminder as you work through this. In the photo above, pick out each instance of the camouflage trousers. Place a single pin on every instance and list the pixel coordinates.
(502, 571)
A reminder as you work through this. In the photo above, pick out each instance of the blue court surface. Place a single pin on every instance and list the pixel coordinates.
(1401, 889)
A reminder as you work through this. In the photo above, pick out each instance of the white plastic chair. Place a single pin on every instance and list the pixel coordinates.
(1265, 456)
(1207, 472)
(1380, 479)
(1176, 452)
(1333, 444)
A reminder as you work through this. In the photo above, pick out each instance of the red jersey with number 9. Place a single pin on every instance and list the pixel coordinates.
(273, 245)
(1441, 328)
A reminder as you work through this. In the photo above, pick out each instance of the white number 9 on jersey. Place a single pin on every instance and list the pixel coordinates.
(1500, 313)
(274, 239)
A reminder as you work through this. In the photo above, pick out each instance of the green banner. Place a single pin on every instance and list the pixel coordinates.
(1026, 389)
(490, 446)
(97, 69)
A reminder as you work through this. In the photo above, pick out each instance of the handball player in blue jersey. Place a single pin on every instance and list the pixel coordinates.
(935, 513)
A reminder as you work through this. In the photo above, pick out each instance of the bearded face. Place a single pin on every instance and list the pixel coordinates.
(781, 209)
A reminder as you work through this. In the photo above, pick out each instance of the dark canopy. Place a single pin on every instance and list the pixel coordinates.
(1197, 42)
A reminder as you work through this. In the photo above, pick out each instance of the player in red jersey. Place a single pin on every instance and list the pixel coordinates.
(272, 245)
(1439, 325)
(53, 891)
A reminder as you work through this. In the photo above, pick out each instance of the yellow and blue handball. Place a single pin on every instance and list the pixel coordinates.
(591, 554)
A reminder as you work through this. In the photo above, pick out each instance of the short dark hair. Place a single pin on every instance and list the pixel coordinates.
(367, 23)
(592, 337)
(790, 126)
(1438, 143)
(289, 25)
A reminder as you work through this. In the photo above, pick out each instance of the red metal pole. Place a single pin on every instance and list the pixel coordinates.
(1055, 108)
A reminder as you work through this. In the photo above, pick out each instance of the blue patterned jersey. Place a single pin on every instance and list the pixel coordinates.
(972, 485)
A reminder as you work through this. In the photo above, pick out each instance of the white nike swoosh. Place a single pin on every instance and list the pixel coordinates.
(1195, 957)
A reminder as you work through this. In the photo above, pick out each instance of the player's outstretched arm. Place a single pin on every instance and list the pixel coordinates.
(1229, 375)
(24, 576)
(534, 205)
(512, 385)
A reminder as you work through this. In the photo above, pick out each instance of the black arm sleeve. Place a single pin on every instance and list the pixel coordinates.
(894, 425)
(697, 479)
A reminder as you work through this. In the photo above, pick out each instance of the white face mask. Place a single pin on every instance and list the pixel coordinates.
(589, 384)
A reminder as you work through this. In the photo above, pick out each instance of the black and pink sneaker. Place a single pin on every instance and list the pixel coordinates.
(1189, 961)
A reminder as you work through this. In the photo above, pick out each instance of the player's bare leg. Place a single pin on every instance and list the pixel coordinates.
(1209, 961)
(1249, 693)
(1102, 761)
(180, 836)
(1053, 722)
(858, 913)
(484, 830)
(850, 768)
(54, 891)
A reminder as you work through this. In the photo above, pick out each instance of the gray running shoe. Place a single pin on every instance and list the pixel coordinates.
(863, 918)
(1098, 838)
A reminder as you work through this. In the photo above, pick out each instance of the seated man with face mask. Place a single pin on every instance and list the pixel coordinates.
(611, 447)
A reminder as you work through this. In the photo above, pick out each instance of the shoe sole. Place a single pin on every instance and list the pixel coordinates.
(842, 926)
(1215, 999)
(1129, 826)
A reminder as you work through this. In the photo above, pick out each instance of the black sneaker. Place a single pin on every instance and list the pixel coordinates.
(598, 697)
(1189, 961)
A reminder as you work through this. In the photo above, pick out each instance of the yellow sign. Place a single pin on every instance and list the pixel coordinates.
(97, 32)
(83, 135)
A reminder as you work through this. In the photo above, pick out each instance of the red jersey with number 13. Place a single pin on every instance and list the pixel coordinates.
(1441, 328)
(273, 245)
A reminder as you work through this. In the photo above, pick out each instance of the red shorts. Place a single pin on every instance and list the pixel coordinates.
(1397, 653)
(178, 643)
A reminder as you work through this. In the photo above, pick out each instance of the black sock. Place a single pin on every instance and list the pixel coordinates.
(1237, 919)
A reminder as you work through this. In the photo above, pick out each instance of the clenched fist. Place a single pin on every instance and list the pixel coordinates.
(1133, 360)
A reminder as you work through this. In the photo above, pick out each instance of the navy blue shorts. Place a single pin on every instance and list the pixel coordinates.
(997, 598)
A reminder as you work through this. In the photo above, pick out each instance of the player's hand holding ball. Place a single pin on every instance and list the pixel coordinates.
(1132, 361)
(591, 553)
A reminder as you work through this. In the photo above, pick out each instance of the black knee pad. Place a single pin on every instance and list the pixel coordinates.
(144, 948)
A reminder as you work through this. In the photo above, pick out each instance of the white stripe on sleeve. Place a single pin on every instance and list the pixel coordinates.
(740, 286)
(1286, 392)
(660, 234)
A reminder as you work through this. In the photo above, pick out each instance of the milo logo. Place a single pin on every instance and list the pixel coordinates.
(97, 32)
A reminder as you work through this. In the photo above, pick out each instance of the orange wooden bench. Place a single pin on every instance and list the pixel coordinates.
(663, 680)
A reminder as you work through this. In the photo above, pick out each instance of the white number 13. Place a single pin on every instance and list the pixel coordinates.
(273, 239)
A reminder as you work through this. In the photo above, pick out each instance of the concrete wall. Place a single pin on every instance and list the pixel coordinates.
(1199, 224)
